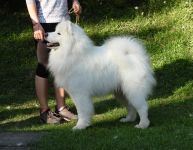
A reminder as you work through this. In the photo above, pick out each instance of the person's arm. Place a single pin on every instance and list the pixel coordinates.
(32, 10)
(31, 7)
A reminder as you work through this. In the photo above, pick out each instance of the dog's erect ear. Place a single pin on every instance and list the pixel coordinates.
(69, 27)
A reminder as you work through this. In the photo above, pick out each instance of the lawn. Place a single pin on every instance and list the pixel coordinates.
(166, 28)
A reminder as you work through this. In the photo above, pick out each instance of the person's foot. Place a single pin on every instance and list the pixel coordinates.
(50, 117)
(66, 114)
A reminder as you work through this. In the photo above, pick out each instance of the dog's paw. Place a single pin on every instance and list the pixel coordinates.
(128, 118)
(142, 125)
(82, 124)
(79, 127)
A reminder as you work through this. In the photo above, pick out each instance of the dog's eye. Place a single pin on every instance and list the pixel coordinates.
(59, 33)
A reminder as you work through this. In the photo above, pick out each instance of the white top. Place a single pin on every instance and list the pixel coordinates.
(51, 11)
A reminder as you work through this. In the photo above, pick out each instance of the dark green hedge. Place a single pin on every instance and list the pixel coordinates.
(10, 6)
(100, 8)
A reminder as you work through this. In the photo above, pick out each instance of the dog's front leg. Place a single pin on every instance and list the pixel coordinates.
(85, 111)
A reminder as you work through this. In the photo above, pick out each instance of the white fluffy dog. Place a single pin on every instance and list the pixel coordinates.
(120, 66)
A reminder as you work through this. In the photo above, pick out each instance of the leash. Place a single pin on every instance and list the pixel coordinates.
(77, 15)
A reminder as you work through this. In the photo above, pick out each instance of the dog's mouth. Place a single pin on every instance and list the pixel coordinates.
(52, 45)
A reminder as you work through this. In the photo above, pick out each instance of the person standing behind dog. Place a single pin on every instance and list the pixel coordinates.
(45, 15)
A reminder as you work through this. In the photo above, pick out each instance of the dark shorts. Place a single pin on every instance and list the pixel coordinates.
(48, 27)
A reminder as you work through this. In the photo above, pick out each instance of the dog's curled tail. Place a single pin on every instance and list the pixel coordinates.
(133, 62)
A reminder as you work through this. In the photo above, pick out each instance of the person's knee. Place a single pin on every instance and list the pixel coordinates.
(42, 71)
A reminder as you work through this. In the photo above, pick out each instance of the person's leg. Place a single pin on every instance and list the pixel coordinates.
(60, 97)
(41, 81)
(41, 85)
(61, 107)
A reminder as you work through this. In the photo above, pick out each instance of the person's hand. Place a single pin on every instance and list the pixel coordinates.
(38, 31)
(76, 7)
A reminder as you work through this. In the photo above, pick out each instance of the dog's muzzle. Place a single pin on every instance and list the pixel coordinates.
(52, 45)
(49, 44)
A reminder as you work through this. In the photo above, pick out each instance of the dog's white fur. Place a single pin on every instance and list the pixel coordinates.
(85, 70)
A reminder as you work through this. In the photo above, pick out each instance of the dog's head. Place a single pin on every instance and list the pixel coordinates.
(61, 35)
(68, 37)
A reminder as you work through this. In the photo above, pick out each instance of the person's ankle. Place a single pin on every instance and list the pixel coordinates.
(42, 110)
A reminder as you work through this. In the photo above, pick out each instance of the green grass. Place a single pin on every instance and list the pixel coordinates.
(166, 30)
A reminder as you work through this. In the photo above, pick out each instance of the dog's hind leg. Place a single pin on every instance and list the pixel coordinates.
(140, 105)
(136, 88)
(85, 111)
(132, 114)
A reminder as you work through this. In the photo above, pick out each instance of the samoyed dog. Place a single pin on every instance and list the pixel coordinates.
(120, 66)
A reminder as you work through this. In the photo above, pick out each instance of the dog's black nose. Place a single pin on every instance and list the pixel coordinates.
(46, 34)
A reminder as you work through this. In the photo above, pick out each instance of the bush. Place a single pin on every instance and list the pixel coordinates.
(89, 6)
(10, 6)
(98, 8)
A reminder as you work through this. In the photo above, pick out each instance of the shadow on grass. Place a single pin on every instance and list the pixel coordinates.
(160, 116)
(105, 104)
(173, 76)
(27, 123)
(11, 113)
(147, 35)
